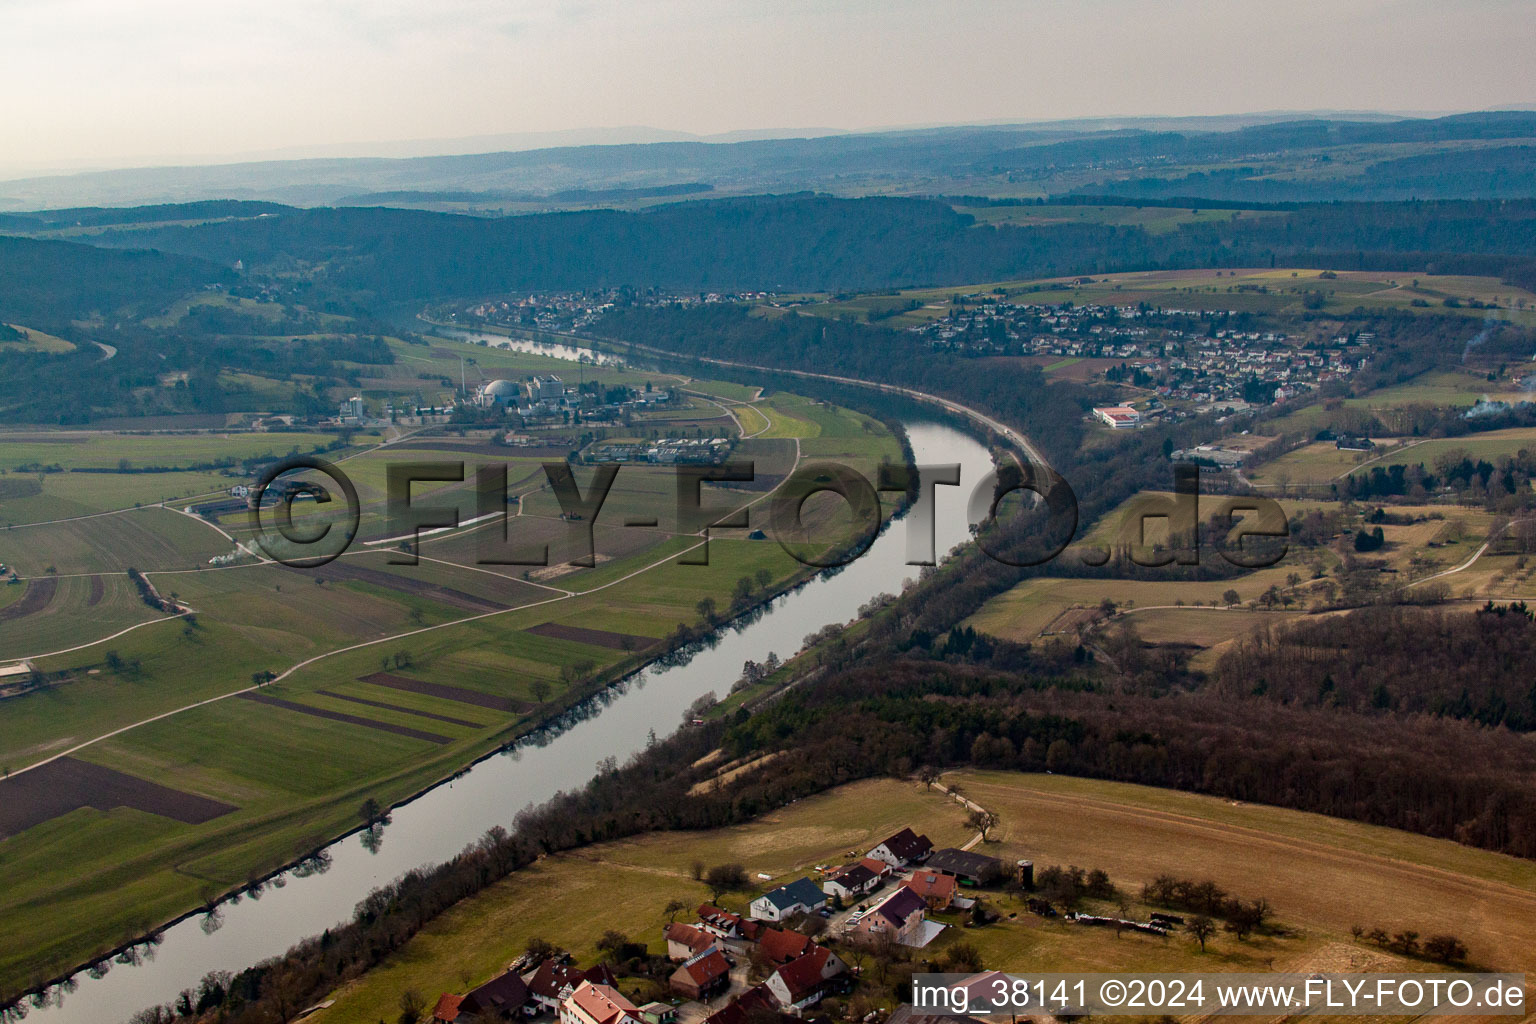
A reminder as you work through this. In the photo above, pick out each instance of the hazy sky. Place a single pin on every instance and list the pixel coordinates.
(112, 82)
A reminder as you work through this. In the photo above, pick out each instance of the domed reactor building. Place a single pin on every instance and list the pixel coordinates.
(501, 392)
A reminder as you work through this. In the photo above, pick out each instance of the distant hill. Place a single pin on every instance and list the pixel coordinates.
(805, 242)
(50, 282)
(1044, 158)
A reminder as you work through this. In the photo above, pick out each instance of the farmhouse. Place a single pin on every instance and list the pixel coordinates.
(903, 849)
(968, 867)
(503, 996)
(798, 897)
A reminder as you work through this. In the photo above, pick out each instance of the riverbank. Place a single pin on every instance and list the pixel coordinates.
(662, 692)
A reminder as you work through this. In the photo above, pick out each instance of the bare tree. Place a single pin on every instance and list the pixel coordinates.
(982, 820)
(1202, 928)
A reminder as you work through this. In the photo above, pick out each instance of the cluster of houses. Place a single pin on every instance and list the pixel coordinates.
(565, 312)
(709, 952)
(1180, 354)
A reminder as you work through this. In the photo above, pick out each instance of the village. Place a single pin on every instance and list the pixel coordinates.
(797, 944)
(776, 962)
(566, 312)
(1185, 356)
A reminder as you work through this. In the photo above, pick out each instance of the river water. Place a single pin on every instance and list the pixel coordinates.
(442, 821)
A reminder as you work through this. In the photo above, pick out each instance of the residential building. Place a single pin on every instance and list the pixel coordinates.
(781, 945)
(552, 982)
(850, 882)
(803, 982)
(684, 941)
(598, 1004)
(901, 914)
(504, 996)
(755, 1005)
(702, 976)
(447, 1009)
(798, 897)
(725, 925)
(903, 849)
(936, 888)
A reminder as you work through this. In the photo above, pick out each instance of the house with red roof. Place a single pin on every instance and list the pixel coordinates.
(684, 941)
(554, 981)
(703, 976)
(598, 1004)
(755, 1005)
(935, 887)
(803, 982)
(447, 1009)
(781, 945)
(726, 925)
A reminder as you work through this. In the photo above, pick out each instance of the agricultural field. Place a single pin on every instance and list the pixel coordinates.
(103, 450)
(1322, 463)
(146, 539)
(34, 340)
(1157, 220)
(399, 674)
(1322, 875)
(1282, 291)
(1279, 290)
(1439, 540)
(45, 614)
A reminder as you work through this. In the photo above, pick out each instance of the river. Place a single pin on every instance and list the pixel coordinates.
(440, 822)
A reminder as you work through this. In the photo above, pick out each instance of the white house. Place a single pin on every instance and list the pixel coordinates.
(798, 897)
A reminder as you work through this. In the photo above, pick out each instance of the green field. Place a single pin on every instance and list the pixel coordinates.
(36, 341)
(147, 539)
(58, 625)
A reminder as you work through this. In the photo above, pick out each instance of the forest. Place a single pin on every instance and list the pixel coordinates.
(807, 242)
